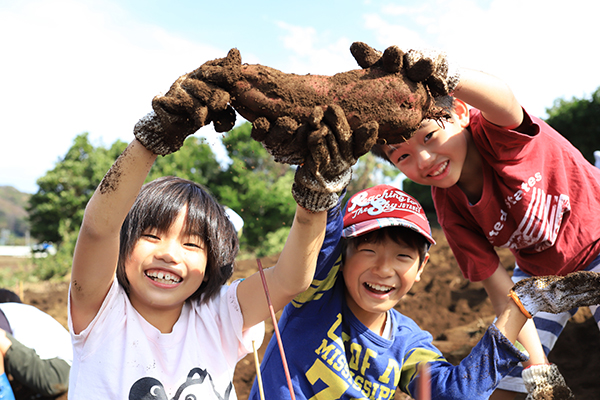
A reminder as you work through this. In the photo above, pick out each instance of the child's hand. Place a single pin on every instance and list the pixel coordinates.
(443, 78)
(545, 382)
(189, 104)
(333, 148)
(555, 294)
(429, 66)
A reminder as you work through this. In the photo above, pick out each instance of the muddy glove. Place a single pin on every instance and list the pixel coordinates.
(429, 66)
(544, 381)
(555, 294)
(284, 139)
(188, 105)
(432, 66)
(333, 148)
(391, 60)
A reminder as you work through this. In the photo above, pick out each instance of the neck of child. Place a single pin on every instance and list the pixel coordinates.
(375, 321)
(162, 318)
(471, 177)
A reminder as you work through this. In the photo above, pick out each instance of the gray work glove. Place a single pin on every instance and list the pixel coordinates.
(431, 67)
(333, 148)
(189, 104)
(555, 294)
(544, 382)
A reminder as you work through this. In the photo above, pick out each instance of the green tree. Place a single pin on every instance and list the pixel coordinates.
(423, 195)
(13, 216)
(257, 188)
(65, 190)
(194, 161)
(252, 184)
(369, 171)
(579, 121)
(56, 209)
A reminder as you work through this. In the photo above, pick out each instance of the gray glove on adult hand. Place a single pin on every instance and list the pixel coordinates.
(555, 294)
(544, 382)
(188, 105)
(428, 66)
(333, 148)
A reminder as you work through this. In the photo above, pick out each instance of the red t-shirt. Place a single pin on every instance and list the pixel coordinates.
(541, 199)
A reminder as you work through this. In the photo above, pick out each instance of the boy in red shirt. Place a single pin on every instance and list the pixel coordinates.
(503, 178)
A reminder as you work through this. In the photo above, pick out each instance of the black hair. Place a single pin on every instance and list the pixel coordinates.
(157, 207)
(8, 296)
(446, 103)
(396, 233)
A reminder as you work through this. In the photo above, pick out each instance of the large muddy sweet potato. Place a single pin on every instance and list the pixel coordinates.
(284, 107)
(395, 102)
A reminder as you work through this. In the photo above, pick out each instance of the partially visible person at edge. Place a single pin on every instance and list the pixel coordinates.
(501, 177)
(35, 347)
(344, 339)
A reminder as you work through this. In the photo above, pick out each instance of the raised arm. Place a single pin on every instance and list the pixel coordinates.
(492, 96)
(293, 272)
(333, 149)
(97, 249)
(186, 107)
(498, 286)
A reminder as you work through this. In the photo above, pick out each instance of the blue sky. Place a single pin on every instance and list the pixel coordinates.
(70, 67)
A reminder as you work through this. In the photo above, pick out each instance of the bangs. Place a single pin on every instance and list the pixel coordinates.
(159, 212)
(157, 207)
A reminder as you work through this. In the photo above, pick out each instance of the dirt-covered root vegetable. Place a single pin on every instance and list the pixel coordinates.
(283, 106)
(395, 102)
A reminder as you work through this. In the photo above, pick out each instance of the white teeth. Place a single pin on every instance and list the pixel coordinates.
(379, 287)
(440, 169)
(163, 277)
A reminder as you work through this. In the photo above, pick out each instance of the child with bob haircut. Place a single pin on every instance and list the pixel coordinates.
(150, 313)
(344, 339)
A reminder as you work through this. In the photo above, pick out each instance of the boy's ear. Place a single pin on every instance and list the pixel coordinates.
(421, 268)
(462, 112)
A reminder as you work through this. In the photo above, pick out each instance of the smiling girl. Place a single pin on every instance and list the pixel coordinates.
(150, 312)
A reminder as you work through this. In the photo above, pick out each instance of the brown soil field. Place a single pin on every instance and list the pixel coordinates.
(454, 310)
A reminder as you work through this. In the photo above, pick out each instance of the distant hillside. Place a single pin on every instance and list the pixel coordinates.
(13, 215)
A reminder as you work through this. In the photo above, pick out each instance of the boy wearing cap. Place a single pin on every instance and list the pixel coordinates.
(344, 340)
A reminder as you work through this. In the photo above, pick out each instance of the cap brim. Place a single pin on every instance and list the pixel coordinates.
(371, 225)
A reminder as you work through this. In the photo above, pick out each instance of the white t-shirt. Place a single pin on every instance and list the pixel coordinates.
(37, 330)
(122, 356)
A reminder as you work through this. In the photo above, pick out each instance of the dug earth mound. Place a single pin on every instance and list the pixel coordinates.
(455, 311)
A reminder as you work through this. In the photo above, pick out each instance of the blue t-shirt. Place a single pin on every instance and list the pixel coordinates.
(332, 355)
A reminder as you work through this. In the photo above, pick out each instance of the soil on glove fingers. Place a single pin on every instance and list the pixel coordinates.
(260, 91)
(454, 310)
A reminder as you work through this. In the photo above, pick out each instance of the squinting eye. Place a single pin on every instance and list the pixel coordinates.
(427, 137)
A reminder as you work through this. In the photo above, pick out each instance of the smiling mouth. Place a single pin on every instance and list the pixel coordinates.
(441, 169)
(163, 277)
(379, 289)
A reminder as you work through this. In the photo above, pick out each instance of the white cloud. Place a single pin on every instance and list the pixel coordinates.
(315, 52)
(543, 49)
(388, 34)
(73, 68)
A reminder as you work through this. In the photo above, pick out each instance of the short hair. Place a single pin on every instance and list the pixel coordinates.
(157, 207)
(444, 103)
(397, 233)
(8, 296)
